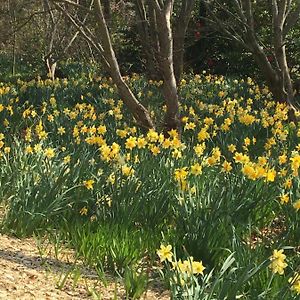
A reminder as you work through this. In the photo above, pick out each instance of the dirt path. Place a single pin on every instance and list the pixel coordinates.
(25, 275)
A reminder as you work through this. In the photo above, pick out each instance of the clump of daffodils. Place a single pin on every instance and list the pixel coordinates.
(278, 263)
(181, 273)
(189, 266)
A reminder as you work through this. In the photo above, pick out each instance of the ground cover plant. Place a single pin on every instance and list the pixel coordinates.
(213, 210)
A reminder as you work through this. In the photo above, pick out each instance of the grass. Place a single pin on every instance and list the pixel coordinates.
(77, 169)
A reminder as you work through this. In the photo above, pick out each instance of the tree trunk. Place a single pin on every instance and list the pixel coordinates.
(107, 11)
(271, 77)
(279, 11)
(51, 67)
(166, 66)
(147, 39)
(14, 55)
(180, 28)
(285, 14)
(12, 12)
(178, 55)
(274, 76)
(140, 113)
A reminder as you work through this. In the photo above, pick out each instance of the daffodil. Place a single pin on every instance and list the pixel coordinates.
(296, 205)
(181, 174)
(89, 184)
(83, 211)
(127, 171)
(197, 267)
(196, 169)
(130, 143)
(61, 130)
(49, 153)
(199, 149)
(284, 198)
(165, 253)
(226, 166)
(278, 263)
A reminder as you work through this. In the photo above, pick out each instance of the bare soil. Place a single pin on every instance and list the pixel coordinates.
(26, 275)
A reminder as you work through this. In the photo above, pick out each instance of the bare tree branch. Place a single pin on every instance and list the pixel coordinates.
(27, 21)
(84, 31)
(74, 4)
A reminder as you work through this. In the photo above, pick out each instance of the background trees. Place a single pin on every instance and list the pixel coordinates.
(263, 29)
(161, 38)
(156, 29)
(34, 36)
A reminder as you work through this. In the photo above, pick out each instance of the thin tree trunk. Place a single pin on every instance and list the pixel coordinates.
(270, 75)
(14, 55)
(107, 11)
(51, 67)
(52, 36)
(140, 113)
(279, 10)
(11, 8)
(146, 38)
(179, 38)
(179, 33)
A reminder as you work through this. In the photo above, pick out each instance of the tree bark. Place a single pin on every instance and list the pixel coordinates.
(140, 113)
(179, 38)
(11, 8)
(179, 33)
(147, 39)
(163, 15)
(279, 13)
(107, 11)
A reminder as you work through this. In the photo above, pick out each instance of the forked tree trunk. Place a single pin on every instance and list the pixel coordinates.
(148, 31)
(166, 47)
(51, 67)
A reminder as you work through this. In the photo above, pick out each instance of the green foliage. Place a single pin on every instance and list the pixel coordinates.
(135, 283)
(77, 170)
